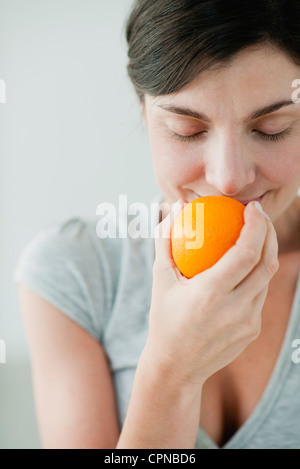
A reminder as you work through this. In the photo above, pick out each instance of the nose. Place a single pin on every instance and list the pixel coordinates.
(228, 166)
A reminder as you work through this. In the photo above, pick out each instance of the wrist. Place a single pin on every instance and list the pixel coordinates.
(168, 373)
(163, 411)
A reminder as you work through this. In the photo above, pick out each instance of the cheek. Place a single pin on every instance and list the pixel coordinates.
(174, 162)
(284, 165)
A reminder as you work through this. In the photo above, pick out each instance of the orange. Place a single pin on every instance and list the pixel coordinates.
(204, 231)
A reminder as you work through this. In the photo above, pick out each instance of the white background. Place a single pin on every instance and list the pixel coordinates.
(71, 137)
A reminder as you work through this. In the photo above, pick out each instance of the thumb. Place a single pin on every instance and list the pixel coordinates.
(162, 235)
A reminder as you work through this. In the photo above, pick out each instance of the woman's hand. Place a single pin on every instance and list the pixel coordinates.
(200, 325)
(196, 327)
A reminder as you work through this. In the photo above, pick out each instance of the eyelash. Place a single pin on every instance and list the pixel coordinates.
(262, 135)
(274, 137)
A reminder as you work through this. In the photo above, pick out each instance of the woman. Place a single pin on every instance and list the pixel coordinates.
(123, 359)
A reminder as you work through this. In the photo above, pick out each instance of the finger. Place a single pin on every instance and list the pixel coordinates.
(265, 270)
(260, 299)
(254, 320)
(241, 259)
(162, 235)
(256, 310)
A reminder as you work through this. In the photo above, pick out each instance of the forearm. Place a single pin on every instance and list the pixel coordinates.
(162, 414)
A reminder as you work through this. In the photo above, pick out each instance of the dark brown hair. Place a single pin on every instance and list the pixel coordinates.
(171, 41)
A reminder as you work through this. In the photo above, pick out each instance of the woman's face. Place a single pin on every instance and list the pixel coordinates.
(233, 131)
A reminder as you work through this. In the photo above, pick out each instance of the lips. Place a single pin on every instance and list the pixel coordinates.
(244, 202)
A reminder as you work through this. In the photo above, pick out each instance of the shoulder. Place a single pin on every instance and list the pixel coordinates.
(61, 247)
(68, 265)
(89, 276)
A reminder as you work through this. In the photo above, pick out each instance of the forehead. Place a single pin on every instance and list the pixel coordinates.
(257, 75)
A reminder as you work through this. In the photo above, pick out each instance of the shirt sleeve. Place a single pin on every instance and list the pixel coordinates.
(62, 265)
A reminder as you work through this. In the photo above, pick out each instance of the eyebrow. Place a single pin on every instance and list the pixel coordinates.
(255, 115)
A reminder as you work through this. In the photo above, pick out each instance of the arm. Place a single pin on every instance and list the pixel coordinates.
(73, 387)
(74, 393)
(164, 412)
(196, 327)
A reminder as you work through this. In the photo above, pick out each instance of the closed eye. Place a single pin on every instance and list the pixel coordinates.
(262, 135)
(187, 138)
(273, 137)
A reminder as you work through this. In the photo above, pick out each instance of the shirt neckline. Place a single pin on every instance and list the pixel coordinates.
(271, 392)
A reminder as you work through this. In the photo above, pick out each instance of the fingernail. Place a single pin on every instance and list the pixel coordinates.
(260, 209)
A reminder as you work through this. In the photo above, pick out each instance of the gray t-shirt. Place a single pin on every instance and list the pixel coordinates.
(105, 286)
